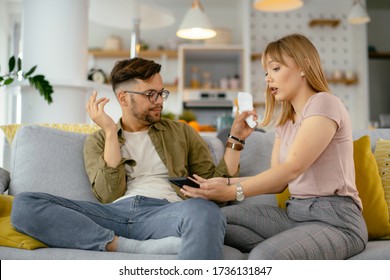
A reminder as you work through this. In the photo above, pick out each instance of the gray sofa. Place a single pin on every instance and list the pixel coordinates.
(50, 160)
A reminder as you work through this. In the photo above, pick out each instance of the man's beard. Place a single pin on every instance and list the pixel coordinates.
(146, 116)
(149, 118)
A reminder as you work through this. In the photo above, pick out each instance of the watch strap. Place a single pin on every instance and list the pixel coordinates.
(235, 146)
(238, 140)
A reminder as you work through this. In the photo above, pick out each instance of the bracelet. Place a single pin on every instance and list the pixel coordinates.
(235, 138)
(235, 146)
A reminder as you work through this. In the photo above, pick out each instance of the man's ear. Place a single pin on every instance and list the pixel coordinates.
(122, 98)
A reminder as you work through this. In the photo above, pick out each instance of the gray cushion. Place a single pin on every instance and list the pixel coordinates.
(375, 134)
(375, 250)
(256, 156)
(8, 253)
(215, 146)
(4, 180)
(49, 160)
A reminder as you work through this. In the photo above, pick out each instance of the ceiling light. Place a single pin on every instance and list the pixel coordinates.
(277, 5)
(196, 25)
(358, 14)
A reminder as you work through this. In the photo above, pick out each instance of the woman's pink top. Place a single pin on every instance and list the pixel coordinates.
(333, 173)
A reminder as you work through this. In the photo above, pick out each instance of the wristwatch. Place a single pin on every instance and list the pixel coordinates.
(240, 193)
(235, 146)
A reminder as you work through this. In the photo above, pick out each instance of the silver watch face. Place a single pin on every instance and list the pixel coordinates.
(240, 196)
(240, 193)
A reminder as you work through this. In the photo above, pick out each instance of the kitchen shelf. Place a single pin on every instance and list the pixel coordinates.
(171, 88)
(343, 81)
(258, 104)
(255, 56)
(323, 22)
(379, 55)
(126, 53)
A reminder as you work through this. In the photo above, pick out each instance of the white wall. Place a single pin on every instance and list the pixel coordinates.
(3, 55)
(3, 63)
(7, 15)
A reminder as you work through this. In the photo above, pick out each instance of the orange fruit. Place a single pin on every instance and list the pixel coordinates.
(195, 125)
(207, 127)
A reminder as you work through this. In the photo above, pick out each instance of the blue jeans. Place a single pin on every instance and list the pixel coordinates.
(65, 223)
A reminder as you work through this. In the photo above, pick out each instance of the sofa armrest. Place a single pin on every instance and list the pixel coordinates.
(4, 180)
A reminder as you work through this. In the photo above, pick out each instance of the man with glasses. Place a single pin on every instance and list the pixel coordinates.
(128, 164)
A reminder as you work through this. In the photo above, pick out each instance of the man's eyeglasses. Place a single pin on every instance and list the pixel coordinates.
(152, 94)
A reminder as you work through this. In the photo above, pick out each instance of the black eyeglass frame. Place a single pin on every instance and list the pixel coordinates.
(150, 93)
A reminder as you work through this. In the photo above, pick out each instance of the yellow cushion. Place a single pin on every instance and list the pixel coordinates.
(10, 237)
(370, 189)
(382, 157)
(281, 198)
(10, 130)
(369, 185)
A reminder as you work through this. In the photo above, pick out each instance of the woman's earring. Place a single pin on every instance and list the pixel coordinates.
(302, 74)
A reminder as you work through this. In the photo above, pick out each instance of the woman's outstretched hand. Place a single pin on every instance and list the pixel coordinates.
(212, 189)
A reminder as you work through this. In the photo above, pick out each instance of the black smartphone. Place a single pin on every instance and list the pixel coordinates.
(181, 181)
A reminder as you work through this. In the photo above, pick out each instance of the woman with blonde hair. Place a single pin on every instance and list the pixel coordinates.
(312, 155)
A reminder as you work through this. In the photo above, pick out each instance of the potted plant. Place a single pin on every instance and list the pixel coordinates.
(15, 73)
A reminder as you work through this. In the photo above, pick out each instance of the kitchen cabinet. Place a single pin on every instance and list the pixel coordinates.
(214, 63)
(210, 77)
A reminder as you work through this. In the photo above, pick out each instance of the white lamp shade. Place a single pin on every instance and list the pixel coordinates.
(277, 5)
(358, 15)
(196, 25)
(122, 13)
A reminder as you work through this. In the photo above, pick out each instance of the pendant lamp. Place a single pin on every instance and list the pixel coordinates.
(196, 25)
(277, 5)
(358, 15)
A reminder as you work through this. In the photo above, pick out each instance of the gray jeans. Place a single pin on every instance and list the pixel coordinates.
(315, 228)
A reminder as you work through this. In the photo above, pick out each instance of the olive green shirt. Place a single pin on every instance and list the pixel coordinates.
(180, 147)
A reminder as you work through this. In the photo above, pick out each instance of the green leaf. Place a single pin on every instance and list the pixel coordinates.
(38, 77)
(38, 85)
(30, 71)
(19, 64)
(8, 81)
(31, 81)
(38, 81)
(43, 86)
(11, 64)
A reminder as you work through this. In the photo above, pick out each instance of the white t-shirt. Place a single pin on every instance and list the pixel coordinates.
(149, 176)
